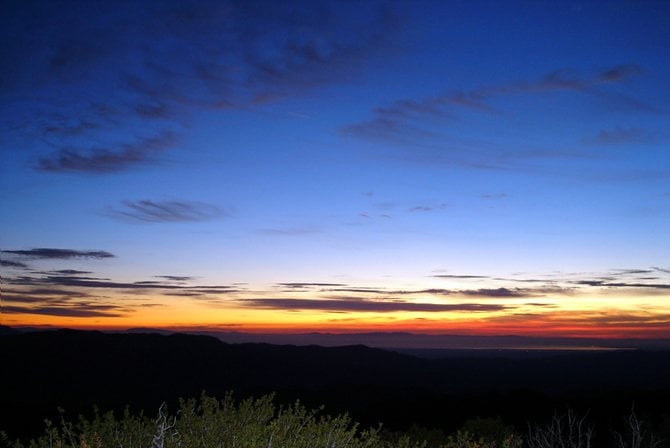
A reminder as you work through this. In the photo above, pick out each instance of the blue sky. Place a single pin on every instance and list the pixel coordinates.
(373, 144)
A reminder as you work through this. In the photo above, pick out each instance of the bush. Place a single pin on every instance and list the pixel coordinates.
(210, 423)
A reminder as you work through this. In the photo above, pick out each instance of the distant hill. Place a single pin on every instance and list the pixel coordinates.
(5, 330)
(76, 369)
(412, 341)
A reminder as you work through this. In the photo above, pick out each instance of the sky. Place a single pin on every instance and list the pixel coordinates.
(437, 167)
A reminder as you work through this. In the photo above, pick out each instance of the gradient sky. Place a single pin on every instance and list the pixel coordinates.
(462, 167)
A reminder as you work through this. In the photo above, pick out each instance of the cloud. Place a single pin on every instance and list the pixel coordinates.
(177, 278)
(148, 211)
(61, 293)
(301, 285)
(633, 271)
(61, 254)
(67, 311)
(76, 128)
(460, 276)
(620, 73)
(73, 295)
(23, 298)
(63, 60)
(69, 272)
(484, 293)
(100, 160)
(493, 196)
(610, 284)
(620, 135)
(427, 208)
(13, 264)
(372, 290)
(363, 289)
(497, 292)
(419, 123)
(81, 284)
(365, 305)
(556, 285)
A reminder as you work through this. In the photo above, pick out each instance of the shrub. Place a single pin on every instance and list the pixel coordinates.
(210, 423)
(567, 431)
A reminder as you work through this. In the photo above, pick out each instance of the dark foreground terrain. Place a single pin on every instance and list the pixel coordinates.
(75, 370)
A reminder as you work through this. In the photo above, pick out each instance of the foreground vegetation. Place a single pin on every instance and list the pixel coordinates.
(259, 423)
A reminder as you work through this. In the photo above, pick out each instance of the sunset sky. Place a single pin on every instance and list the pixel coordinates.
(441, 167)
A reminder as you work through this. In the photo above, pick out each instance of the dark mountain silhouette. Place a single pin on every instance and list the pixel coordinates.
(77, 369)
(411, 341)
(5, 330)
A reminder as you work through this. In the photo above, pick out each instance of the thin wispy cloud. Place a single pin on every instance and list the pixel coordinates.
(497, 292)
(74, 285)
(100, 160)
(24, 298)
(494, 196)
(632, 271)
(464, 276)
(210, 55)
(427, 208)
(611, 284)
(68, 311)
(564, 284)
(376, 292)
(81, 296)
(366, 305)
(96, 283)
(149, 211)
(621, 136)
(60, 254)
(13, 264)
(176, 278)
(53, 292)
(426, 124)
(293, 285)
(620, 73)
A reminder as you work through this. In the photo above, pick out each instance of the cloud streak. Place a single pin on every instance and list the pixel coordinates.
(419, 123)
(622, 136)
(610, 284)
(176, 278)
(210, 56)
(100, 160)
(13, 264)
(148, 211)
(365, 305)
(50, 284)
(67, 311)
(60, 254)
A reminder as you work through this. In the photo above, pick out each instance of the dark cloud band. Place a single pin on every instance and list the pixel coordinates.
(61, 254)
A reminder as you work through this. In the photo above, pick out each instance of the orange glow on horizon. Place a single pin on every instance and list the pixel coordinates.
(465, 327)
(424, 311)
